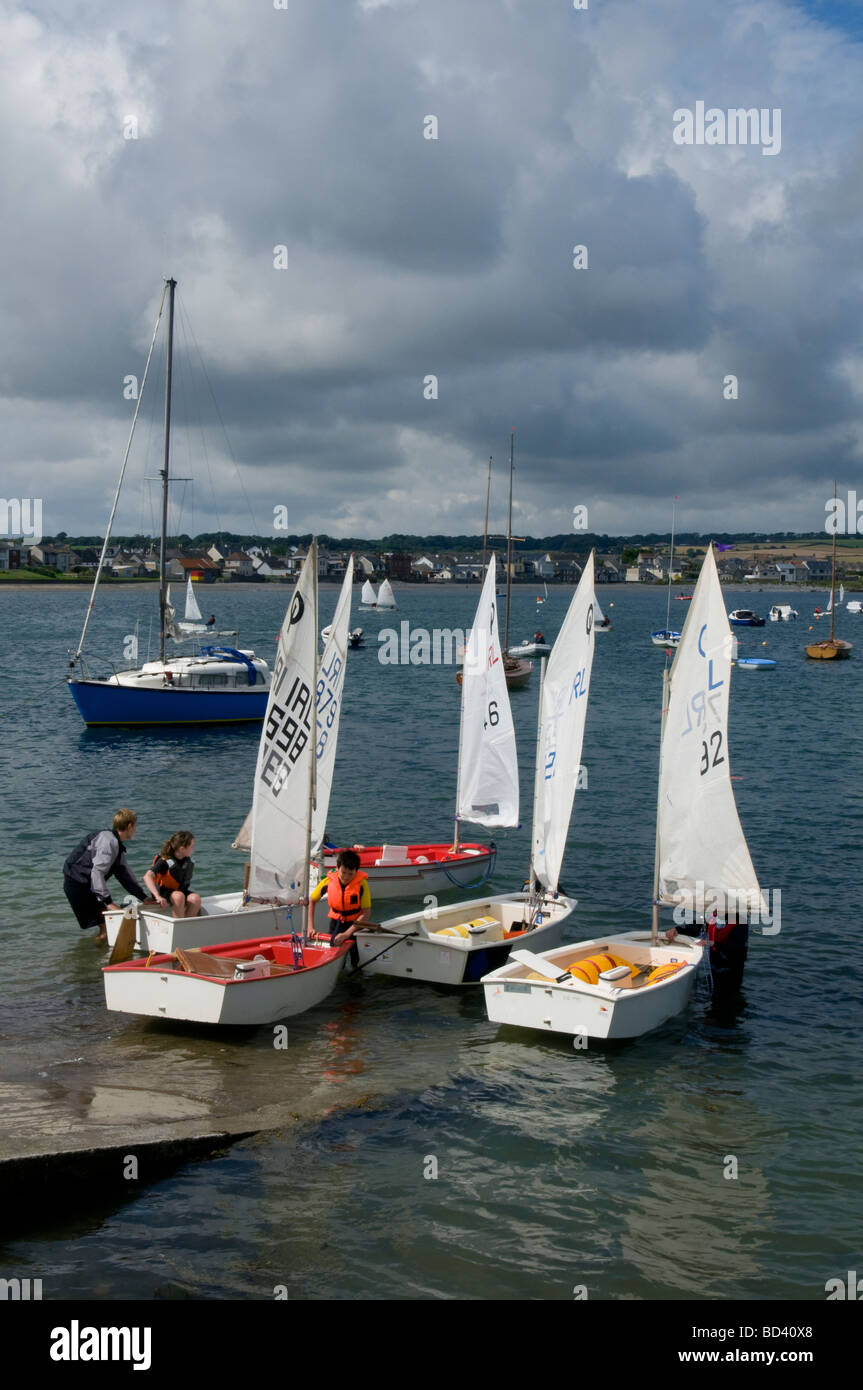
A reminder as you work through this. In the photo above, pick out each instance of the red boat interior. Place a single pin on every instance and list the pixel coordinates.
(371, 855)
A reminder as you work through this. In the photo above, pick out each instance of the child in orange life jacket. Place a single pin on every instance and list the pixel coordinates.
(350, 901)
(171, 873)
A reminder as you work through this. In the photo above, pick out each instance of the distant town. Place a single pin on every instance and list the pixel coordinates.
(783, 559)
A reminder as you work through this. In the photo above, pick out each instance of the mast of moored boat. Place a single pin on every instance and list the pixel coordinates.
(163, 587)
(485, 527)
(670, 566)
(509, 542)
(833, 564)
(313, 760)
(107, 539)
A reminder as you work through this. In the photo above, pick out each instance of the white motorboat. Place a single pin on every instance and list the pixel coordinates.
(782, 613)
(239, 984)
(537, 647)
(355, 636)
(368, 597)
(666, 637)
(279, 826)
(628, 983)
(460, 944)
(854, 605)
(386, 597)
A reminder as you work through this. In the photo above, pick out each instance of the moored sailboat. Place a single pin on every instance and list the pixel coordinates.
(217, 686)
(834, 648)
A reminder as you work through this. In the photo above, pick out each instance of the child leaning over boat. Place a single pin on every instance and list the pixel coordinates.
(171, 873)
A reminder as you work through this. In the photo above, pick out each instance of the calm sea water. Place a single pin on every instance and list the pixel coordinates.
(554, 1168)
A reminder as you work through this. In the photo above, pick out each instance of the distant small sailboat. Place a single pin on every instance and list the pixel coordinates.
(192, 621)
(368, 597)
(386, 597)
(601, 622)
(833, 649)
(544, 598)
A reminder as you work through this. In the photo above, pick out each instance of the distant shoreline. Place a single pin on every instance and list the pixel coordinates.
(401, 587)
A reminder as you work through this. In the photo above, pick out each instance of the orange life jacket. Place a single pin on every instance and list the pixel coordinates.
(344, 900)
(166, 879)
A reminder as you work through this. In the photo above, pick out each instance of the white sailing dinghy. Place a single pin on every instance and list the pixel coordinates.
(601, 623)
(368, 597)
(620, 986)
(261, 977)
(192, 621)
(457, 945)
(265, 909)
(386, 597)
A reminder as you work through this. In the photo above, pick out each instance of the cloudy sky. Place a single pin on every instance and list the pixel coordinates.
(304, 127)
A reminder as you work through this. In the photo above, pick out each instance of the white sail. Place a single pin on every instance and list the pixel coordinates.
(562, 716)
(280, 807)
(386, 597)
(598, 615)
(841, 593)
(487, 763)
(244, 834)
(330, 686)
(368, 595)
(703, 856)
(170, 615)
(193, 612)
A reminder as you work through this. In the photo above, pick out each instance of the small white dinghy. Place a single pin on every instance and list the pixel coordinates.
(461, 944)
(600, 622)
(282, 828)
(368, 597)
(629, 983)
(386, 597)
(535, 647)
(239, 983)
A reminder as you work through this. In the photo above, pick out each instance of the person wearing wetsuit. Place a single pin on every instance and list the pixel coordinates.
(729, 945)
(99, 856)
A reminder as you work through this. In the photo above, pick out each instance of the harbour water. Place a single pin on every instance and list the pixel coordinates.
(434, 1155)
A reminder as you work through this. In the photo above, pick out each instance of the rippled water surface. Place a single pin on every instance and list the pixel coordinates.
(554, 1168)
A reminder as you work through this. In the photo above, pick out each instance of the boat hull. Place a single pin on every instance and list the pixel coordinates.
(103, 703)
(468, 868)
(829, 651)
(454, 960)
(602, 1011)
(162, 989)
(223, 918)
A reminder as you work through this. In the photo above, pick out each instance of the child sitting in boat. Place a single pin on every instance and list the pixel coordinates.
(349, 899)
(171, 873)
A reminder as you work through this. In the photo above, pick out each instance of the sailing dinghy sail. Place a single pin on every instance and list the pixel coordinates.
(563, 712)
(487, 791)
(386, 597)
(368, 597)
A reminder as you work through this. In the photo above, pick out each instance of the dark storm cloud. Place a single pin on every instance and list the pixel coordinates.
(410, 257)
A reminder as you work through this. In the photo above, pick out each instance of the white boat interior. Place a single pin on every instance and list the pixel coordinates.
(204, 672)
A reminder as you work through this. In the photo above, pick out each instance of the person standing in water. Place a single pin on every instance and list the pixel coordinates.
(100, 855)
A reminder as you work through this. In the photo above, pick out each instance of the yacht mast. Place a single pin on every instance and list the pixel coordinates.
(163, 586)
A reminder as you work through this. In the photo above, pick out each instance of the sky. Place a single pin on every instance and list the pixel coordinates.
(430, 303)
